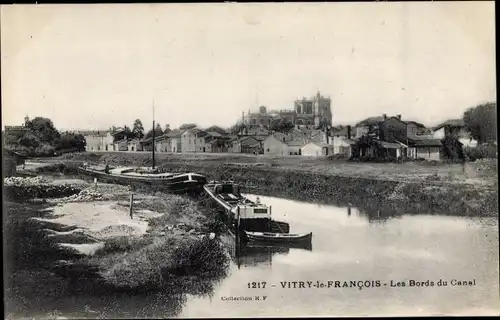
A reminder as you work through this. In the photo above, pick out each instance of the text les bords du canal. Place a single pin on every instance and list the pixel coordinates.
(361, 284)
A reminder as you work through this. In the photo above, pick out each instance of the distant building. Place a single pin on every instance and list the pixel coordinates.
(456, 128)
(316, 149)
(193, 140)
(275, 144)
(245, 144)
(175, 141)
(99, 141)
(314, 111)
(307, 111)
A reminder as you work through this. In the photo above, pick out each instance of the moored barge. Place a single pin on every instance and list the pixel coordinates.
(169, 182)
(249, 215)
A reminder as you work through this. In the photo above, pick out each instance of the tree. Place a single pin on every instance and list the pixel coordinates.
(138, 129)
(481, 122)
(237, 128)
(29, 140)
(281, 125)
(44, 129)
(323, 124)
(366, 142)
(392, 130)
(188, 126)
(452, 148)
(71, 141)
(217, 129)
(158, 131)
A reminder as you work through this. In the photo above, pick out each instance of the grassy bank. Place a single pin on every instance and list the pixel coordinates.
(392, 188)
(174, 257)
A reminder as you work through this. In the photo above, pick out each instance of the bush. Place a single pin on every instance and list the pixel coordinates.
(123, 244)
(483, 151)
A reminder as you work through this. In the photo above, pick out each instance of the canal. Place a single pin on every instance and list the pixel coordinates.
(368, 264)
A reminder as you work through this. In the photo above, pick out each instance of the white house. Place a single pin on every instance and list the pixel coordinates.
(316, 149)
(134, 145)
(121, 145)
(455, 128)
(175, 143)
(99, 141)
(341, 145)
(294, 146)
(428, 149)
(162, 144)
(275, 144)
(193, 140)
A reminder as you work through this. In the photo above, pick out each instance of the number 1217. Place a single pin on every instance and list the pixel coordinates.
(257, 285)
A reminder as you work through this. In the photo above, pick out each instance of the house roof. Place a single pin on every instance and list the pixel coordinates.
(339, 132)
(214, 134)
(319, 144)
(99, 133)
(279, 136)
(418, 124)
(260, 138)
(258, 131)
(249, 141)
(117, 131)
(296, 143)
(451, 123)
(390, 145)
(176, 133)
(195, 131)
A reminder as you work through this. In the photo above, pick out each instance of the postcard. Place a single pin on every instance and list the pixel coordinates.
(247, 160)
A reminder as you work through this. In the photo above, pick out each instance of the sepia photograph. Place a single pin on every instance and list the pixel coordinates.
(246, 160)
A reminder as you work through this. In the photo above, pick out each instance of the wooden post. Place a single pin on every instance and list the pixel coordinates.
(238, 224)
(131, 205)
(238, 236)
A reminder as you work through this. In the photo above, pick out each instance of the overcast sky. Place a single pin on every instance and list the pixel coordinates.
(93, 66)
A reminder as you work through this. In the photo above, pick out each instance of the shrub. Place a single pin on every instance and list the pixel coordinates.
(123, 244)
(483, 151)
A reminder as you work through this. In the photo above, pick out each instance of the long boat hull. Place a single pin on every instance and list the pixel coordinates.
(269, 237)
(179, 184)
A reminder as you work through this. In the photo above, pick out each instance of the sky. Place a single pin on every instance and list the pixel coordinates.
(92, 66)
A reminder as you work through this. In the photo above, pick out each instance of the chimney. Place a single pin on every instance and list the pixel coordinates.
(399, 117)
(349, 132)
(385, 116)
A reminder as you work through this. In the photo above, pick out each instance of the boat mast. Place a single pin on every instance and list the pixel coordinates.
(154, 146)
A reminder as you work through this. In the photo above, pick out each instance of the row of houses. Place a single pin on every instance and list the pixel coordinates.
(411, 139)
(399, 138)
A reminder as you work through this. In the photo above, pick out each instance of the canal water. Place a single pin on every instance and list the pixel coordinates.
(375, 262)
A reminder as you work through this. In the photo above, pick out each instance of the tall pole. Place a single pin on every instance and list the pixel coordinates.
(154, 146)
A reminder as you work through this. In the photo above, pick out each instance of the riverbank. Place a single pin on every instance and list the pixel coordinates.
(457, 189)
(73, 250)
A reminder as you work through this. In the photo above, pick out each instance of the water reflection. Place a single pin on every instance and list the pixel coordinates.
(361, 243)
(248, 255)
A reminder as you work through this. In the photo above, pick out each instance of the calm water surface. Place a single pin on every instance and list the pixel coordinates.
(350, 246)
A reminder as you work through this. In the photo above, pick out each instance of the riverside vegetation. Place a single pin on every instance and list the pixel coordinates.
(460, 189)
(51, 262)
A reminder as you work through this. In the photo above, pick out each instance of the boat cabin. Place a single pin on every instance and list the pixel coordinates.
(231, 194)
